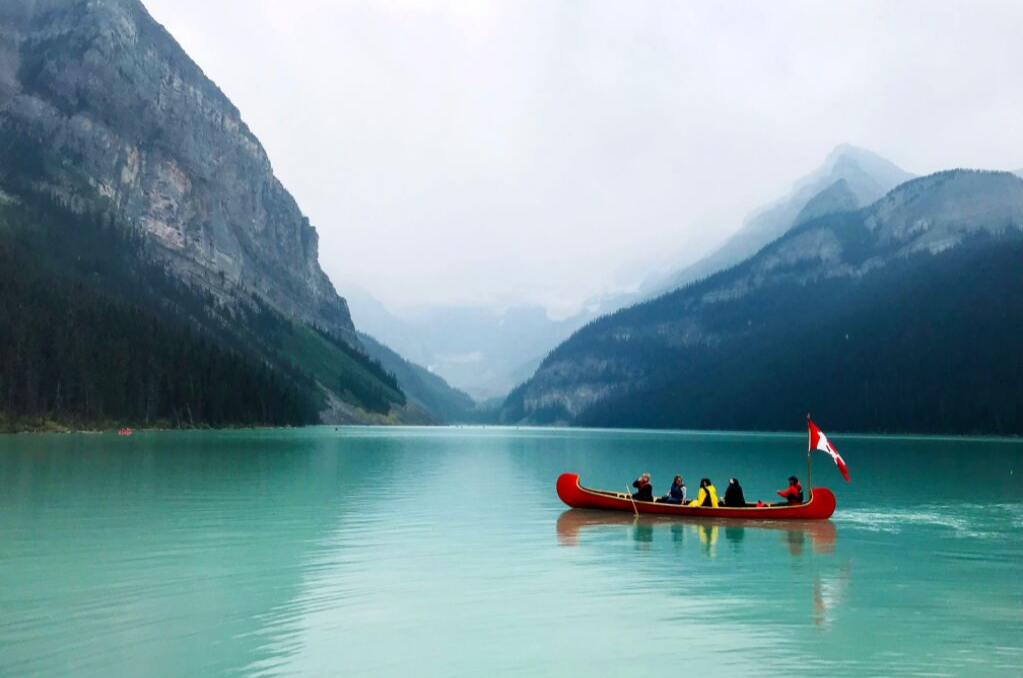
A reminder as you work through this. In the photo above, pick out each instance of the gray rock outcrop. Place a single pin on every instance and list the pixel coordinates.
(122, 117)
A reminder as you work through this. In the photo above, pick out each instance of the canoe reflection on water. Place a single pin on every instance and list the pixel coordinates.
(819, 534)
(826, 580)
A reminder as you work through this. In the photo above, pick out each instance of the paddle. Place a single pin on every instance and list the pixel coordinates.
(628, 493)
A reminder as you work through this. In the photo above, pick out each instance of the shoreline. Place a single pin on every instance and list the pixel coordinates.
(57, 428)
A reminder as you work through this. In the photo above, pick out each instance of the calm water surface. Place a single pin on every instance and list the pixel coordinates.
(445, 552)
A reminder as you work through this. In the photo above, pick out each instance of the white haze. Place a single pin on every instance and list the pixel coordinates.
(466, 151)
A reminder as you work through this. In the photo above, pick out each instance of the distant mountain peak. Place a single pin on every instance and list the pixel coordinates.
(870, 175)
(850, 178)
(855, 152)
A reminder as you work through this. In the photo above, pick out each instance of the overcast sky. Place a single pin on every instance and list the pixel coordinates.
(450, 151)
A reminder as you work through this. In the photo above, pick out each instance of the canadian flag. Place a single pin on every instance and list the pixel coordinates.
(818, 441)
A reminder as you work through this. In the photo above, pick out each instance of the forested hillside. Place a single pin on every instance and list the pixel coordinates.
(927, 345)
(71, 357)
(95, 331)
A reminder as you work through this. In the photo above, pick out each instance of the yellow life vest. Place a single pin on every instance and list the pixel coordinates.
(702, 497)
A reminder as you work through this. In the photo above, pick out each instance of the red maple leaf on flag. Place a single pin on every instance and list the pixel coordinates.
(818, 441)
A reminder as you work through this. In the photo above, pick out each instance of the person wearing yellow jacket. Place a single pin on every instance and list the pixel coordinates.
(708, 496)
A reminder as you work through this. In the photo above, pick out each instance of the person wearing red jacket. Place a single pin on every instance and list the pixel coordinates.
(793, 494)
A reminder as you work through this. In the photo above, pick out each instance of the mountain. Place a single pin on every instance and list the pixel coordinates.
(441, 403)
(901, 316)
(114, 107)
(105, 122)
(850, 178)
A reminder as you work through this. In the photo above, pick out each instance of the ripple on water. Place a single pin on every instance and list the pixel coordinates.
(973, 521)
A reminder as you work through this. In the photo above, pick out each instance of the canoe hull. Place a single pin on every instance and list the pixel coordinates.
(820, 507)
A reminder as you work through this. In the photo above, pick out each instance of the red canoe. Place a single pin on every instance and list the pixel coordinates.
(820, 506)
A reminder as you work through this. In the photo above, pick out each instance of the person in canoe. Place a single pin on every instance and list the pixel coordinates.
(793, 494)
(733, 494)
(708, 495)
(676, 493)
(644, 490)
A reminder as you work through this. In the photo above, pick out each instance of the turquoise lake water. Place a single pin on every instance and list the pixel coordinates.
(446, 552)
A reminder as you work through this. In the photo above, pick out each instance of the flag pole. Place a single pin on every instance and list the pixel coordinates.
(809, 478)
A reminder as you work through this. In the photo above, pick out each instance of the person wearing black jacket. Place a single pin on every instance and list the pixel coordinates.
(734, 495)
(645, 491)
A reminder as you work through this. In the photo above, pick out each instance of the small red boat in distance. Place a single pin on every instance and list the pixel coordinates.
(124, 432)
(820, 505)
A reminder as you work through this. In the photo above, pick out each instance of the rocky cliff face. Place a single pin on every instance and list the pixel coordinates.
(122, 118)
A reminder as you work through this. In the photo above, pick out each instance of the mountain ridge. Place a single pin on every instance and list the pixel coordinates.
(867, 177)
